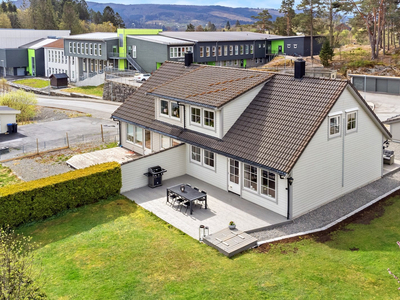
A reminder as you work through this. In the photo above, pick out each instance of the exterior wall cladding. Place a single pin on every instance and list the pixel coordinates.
(148, 54)
(259, 52)
(303, 46)
(106, 48)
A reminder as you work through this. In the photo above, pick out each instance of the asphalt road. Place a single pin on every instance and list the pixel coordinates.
(386, 106)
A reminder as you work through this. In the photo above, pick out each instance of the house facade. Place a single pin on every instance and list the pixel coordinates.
(56, 62)
(286, 144)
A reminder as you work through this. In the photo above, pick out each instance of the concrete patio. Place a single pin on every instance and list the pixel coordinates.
(223, 207)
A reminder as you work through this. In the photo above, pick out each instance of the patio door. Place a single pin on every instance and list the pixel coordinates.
(147, 142)
(234, 176)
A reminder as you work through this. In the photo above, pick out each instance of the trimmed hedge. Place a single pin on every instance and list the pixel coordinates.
(42, 198)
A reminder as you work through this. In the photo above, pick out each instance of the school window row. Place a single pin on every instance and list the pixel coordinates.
(85, 48)
(225, 50)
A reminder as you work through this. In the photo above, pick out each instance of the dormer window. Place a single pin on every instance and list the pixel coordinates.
(209, 118)
(170, 109)
(202, 117)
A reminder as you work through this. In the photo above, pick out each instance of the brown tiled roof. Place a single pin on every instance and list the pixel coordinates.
(273, 130)
(57, 44)
(210, 86)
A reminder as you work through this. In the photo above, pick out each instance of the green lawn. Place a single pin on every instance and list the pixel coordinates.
(35, 83)
(116, 250)
(87, 90)
(7, 177)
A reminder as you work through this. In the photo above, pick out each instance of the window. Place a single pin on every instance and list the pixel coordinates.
(95, 49)
(208, 51)
(196, 154)
(334, 126)
(99, 49)
(251, 49)
(175, 112)
(164, 107)
(263, 45)
(295, 46)
(288, 46)
(165, 142)
(196, 115)
(209, 158)
(78, 48)
(201, 51)
(82, 48)
(241, 49)
(268, 183)
(86, 48)
(49, 72)
(351, 120)
(247, 49)
(130, 133)
(259, 46)
(219, 50)
(208, 118)
(236, 49)
(90, 49)
(74, 49)
(236, 62)
(214, 49)
(225, 50)
(70, 47)
(250, 177)
(138, 136)
(121, 40)
(230, 50)
(83, 64)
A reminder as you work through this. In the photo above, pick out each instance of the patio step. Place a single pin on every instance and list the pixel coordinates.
(230, 241)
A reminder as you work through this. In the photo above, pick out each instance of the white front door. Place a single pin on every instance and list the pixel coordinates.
(234, 176)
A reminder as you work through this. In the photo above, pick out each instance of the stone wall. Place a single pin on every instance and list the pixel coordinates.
(117, 92)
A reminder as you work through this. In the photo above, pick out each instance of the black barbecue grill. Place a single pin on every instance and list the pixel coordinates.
(154, 175)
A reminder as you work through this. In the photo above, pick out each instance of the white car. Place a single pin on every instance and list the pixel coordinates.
(142, 77)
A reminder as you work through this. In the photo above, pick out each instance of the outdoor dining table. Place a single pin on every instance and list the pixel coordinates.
(189, 194)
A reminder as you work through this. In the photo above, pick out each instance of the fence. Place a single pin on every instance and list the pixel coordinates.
(376, 84)
(33, 147)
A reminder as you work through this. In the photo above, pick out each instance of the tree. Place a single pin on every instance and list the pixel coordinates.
(82, 9)
(199, 28)
(280, 26)
(23, 101)
(18, 278)
(190, 27)
(326, 54)
(237, 23)
(108, 15)
(4, 21)
(228, 25)
(70, 19)
(263, 20)
(42, 14)
(311, 9)
(210, 27)
(288, 12)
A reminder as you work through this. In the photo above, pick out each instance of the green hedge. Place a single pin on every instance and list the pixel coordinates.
(42, 198)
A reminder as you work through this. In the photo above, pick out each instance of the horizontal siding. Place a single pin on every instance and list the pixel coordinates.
(218, 178)
(395, 131)
(318, 172)
(232, 111)
(280, 206)
(171, 159)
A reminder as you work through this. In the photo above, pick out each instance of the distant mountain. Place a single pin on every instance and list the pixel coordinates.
(178, 16)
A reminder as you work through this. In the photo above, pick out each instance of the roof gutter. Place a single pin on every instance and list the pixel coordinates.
(279, 172)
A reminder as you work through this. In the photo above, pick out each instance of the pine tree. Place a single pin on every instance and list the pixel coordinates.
(263, 20)
(326, 54)
(237, 23)
(190, 27)
(228, 25)
(288, 11)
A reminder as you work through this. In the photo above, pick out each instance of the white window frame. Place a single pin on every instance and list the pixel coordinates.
(137, 129)
(170, 112)
(246, 49)
(130, 138)
(99, 46)
(214, 51)
(251, 49)
(225, 50)
(259, 185)
(203, 158)
(70, 47)
(208, 51)
(204, 118)
(231, 50)
(201, 51)
(161, 141)
(90, 49)
(196, 152)
(219, 50)
(295, 46)
(348, 114)
(236, 49)
(268, 196)
(199, 116)
(209, 158)
(86, 49)
(245, 180)
(338, 117)
(288, 46)
(241, 49)
(95, 49)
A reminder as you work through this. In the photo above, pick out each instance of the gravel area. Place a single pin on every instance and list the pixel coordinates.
(334, 210)
(48, 114)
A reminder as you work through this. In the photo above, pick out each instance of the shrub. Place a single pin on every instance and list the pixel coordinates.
(42, 198)
(23, 101)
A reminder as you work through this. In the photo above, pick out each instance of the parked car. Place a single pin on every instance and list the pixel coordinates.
(142, 77)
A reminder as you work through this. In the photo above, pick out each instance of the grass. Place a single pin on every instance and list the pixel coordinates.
(116, 250)
(35, 83)
(87, 90)
(7, 177)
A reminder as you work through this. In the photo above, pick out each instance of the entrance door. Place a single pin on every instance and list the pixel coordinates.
(147, 142)
(234, 176)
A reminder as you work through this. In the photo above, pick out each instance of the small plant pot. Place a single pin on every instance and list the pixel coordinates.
(232, 226)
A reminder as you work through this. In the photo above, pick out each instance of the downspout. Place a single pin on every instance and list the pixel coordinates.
(184, 114)
(289, 183)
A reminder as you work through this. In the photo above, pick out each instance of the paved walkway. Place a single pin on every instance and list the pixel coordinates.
(334, 210)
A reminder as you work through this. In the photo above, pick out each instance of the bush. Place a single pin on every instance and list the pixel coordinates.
(42, 198)
(23, 101)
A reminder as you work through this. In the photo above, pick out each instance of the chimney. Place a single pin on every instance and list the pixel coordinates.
(299, 68)
(188, 59)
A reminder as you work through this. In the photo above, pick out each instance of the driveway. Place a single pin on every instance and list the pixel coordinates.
(386, 106)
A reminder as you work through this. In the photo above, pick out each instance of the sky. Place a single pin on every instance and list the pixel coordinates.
(231, 3)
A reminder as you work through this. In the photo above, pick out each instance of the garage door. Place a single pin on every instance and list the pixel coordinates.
(20, 71)
(358, 83)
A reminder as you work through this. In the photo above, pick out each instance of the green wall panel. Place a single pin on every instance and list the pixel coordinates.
(31, 54)
(275, 46)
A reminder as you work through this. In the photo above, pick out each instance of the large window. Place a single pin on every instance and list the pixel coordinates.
(196, 154)
(176, 52)
(250, 177)
(201, 51)
(203, 157)
(208, 51)
(268, 183)
(225, 50)
(138, 136)
(134, 134)
(170, 109)
(351, 121)
(130, 133)
(196, 115)
(209, 118)
(334, 126)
